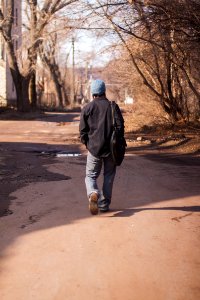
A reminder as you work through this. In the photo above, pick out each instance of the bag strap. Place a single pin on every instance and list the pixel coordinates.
(113, 114)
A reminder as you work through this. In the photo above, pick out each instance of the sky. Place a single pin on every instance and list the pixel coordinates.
(87, 49)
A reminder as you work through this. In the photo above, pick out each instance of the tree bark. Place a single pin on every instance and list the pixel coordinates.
(32, 91)
(20, 82)
(32, 53)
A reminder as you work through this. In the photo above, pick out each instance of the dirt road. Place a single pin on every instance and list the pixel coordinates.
(146, 247)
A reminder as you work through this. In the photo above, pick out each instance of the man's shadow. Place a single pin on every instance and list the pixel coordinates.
(131, 211)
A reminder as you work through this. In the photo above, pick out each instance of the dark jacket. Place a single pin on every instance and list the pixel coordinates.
(96, 126)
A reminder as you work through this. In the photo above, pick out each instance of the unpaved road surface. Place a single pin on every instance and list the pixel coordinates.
(146, 248)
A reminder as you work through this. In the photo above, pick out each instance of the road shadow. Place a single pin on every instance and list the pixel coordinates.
(131, 211)
(174, 159)
(56, 117)
(62, 118)
(159, 145)
(24, 163)
(57, 185)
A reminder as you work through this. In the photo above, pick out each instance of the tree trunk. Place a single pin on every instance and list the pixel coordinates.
(64, 95)
(32, 91)
(56, 78)
(22, 88)
(20, 81)
(32, 53)
(58, 90)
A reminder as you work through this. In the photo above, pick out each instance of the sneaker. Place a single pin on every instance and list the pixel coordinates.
(104, 209)
(93, 203)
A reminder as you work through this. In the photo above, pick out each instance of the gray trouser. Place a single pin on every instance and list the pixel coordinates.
(93, 170)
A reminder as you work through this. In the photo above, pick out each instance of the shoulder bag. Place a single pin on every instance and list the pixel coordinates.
(117, 142)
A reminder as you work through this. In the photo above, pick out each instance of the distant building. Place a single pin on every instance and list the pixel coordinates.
(7, 88)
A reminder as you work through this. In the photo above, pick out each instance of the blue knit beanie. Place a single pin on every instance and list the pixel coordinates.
(98, 87)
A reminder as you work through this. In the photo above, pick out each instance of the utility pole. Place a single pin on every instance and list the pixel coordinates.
(73, 74)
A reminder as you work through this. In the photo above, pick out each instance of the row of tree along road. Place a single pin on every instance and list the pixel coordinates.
(154, 48)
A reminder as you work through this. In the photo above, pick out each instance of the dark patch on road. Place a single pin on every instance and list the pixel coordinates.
(36, 218)
(19, 169)
(181, 217)
(7, 212)
(175, 159)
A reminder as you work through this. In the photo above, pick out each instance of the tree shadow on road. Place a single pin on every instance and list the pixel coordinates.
(173, 159)
(55, 189)
(23, 164)
(161, 144)
(57, 117)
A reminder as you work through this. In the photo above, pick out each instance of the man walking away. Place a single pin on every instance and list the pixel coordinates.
(95, 133)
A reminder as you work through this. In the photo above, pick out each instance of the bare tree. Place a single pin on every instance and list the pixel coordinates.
(162, 39)
(48, 57)
(20, 81)
(39, 18)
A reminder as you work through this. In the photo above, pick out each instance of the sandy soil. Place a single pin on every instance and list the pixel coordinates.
(146, 247)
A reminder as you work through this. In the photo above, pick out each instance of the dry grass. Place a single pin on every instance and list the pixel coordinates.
(157, 133)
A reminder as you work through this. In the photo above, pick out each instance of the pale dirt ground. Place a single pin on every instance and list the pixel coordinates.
(145, 248)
